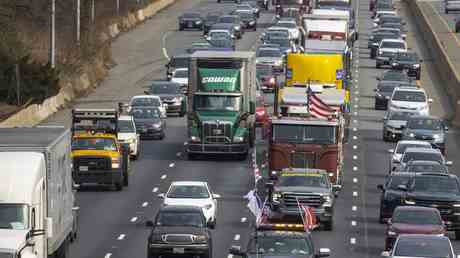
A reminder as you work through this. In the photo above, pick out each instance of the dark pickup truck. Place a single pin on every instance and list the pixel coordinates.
(179, 230)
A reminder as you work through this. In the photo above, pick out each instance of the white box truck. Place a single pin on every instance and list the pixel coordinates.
(37, 213)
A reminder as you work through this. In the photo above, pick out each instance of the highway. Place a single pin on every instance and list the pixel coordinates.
(111, 223)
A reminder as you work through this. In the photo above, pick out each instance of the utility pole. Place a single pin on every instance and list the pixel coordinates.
(118, 7)
(18, 84)
(77, 21)
(52, 57)
(92, 12)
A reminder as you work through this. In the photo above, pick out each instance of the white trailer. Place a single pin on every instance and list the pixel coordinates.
(37, 213)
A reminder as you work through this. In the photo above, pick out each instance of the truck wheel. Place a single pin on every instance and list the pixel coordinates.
(328, 225)
(119, 186)
(242, 156)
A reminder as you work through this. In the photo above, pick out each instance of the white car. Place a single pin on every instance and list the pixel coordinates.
(387, 49)
(291, 26)
(410, 99)
(401, 146)
(378, 14)
(180, 75)
(147, 101)
(127, 134)
(217, 33)
(195, 193)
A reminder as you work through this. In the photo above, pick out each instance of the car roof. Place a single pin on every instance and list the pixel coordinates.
(181, 208)
(145, 96)
(125, 118)
(414, 142)
(425, 117)
(409, 89)
(394, 40)
(423, 236)
(423, 162)
(189, 183)
(422, 150)
(180, 69)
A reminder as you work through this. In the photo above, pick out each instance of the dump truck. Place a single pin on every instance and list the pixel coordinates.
(39, 219)
(222, 102)
(97, 155)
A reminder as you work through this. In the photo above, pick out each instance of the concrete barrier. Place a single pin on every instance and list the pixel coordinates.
(450, 79)
(94, 72)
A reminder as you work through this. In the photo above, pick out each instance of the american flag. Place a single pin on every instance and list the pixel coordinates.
(309, 221)
(317, 107)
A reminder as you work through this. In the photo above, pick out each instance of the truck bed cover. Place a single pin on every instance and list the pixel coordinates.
(34, 137)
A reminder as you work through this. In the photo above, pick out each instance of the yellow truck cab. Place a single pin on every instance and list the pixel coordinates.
(97, 156)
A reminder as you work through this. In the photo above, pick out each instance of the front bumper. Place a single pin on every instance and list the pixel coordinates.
(383, 60)
(208, 148)
(108, 177)
(394, 132)
(151, 133)
(168, 249)
(323, 214)
(190, 25)
(173, 108)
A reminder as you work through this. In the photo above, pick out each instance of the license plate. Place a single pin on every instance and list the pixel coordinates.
(217, 131)
(178, 250)
(83, 168)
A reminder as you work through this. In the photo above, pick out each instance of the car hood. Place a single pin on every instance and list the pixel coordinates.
(424, 132)
(187, 201)
(180, 80)
(302, 189)
(268, 59)
(434, 196)
(178, 230)
(164, 97)
(403, 228)
(393, 50)
(190, 19)
(396, 123)
(408, 104)
(406, 62)
(231, 116)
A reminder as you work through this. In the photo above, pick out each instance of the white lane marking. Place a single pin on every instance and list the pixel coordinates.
(356, 106)
(237, 237)
(354, 208)
(121, 237)
(179, 154)
(107, 255)
(165, 53)
(356, 99)
(355, 168)
(230, 256)
(243, 219)
(155, 189)
(355, 194)
(145, 204)
(172, 165)
(355, 180)
(355, 113)
(353, 241)
(163, 176)
(355, 157)
(133, 219)
(353, 223)
(355, 121)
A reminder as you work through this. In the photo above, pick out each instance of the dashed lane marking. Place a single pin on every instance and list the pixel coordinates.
(353, 241)
(145, 204)
(355, 180)
(121, 237)
(155, 189)
(107, 255)
(355, 157)
(355, 168)
(355, 147)
(355, 194)
(237, 237)
(133, 219)
(243, 219)
(163, 176)
(354, 208)
(355, 137)
(172, 165)
(353, 223)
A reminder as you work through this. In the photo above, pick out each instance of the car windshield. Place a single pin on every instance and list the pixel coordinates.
(283, 42)
(386, 87)
(390, 25)
(400, 115)
(179, 62)
(276, 34)
(394, 76)
(165, 89)
(297, 179)
(388, 18)
(181, 74)
(434, 167)
(431, 156)
(406, 57)
(14, 216)
(401, 148)
(308, 134)
(180, 219)
(191, 15)
(126, 126)
(227, 19)
(266, 71)
(94, 143)
(436, 184)
(221, 42)
(269, 53)
(397, 180)
(243, 7)
(410, 96)
(188, 191)
(217, 103)
(423, 247)
(145, 102)
(286, 25)
(424, 124)
(145, 113)
(392, 44)
(281, 245)
(418, 217)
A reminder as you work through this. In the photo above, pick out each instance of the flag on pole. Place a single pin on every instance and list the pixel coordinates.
(317, 107)
(258, 208)
(310, 222)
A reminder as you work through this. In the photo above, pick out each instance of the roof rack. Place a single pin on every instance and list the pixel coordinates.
(95, 120)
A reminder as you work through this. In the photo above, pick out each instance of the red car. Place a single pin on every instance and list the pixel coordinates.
(266, 77)
(261, 112)
(413, 220)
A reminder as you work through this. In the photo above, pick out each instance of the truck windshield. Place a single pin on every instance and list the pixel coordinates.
(180, 219)
(282, 245)
(13, 216)
(93, 143)
(311, 134)
(216, 103)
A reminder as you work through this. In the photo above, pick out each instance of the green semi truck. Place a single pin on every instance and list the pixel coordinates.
(222, 98)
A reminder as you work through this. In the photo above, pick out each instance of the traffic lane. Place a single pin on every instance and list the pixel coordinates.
(105, 214)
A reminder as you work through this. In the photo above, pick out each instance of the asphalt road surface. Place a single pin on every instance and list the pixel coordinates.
(111, 223)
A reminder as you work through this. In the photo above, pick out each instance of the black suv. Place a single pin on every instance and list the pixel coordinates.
(190, 21)
(441, 191)
(407, 61)
(392, 194)
(179, 230)
(171, 94)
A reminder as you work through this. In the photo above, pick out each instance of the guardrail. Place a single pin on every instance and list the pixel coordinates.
(450, 79)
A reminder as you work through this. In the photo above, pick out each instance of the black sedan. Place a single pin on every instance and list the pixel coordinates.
(148, 122)
(407, 61)
(236, 22)
(171, 94)
(210, 20)
(190, 21)
(248, 18)
(427, 128)
(392, 194)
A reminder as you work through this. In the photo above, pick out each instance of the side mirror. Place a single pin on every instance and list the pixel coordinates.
(402, 188)
(380, 187)
(161, 195)
(216, 196)
(391, 151)
(324, 252)
(236, 250)
(449, 163)
(149, 223)
(385, 254)
(430, 100)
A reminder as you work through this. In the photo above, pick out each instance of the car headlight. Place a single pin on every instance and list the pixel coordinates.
(409, 202)
(200, 238)
(416, 65)
(116, 162)
(457, 205)
(237, 27)
(131, 140)
(392, 233)
(195, 139)
(279, 62)
(238, 139)
(380, 52)
(276, 197)
(436, 136)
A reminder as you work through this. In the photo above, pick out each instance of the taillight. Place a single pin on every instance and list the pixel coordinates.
(272, 80)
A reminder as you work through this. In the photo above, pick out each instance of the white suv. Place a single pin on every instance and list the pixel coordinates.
(127, 134)
(387, 49)
(194, 193)
(397, 153)
(410, 99)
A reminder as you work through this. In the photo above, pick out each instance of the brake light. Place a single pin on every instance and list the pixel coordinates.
(272, 80)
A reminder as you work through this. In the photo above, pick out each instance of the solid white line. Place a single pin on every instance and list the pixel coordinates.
(155, 189)
(163, 41)
(172, 165)
(107, 255)
(145, 204)
(163, 176)
(121, 237)
(243, 219)
(354, 208)
(133, 219)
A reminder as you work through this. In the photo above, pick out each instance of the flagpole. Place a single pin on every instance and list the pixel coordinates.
(300, 210)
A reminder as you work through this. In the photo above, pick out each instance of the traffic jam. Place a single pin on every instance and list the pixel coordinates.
(285, 107)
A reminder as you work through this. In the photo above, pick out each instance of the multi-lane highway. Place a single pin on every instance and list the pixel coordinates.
(111, 223)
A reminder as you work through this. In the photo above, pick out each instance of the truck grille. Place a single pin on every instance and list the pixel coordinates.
(217, 132)
(92, 163)
(178, 238)
(445, 208)
(308, 199)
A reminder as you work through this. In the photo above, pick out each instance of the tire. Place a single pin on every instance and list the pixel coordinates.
(328, 226)
(252, 137)
(384, 136)
(180, 28)
(446, 11)
(381, 218)
(119, 186)
(182, 114)
(417, 77)
(372, 54)
(191, 156)
(126, 180)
